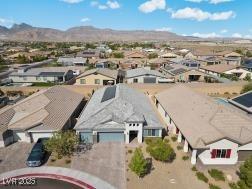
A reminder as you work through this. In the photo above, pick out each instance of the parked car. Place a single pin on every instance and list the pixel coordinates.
(38, 153)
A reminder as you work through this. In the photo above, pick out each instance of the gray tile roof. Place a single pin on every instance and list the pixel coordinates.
(203, 121)
(141, 72)
(47, 110)
(128, 105)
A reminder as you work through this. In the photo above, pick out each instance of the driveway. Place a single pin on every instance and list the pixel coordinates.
(14, 156)
(104, 160)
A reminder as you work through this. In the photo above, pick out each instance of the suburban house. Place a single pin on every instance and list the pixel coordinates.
(169, 55)
(104, 63)
(39, 115)
(72, 61)
(118, 113)
(46, 74)
(89, 54)
(157, 62)
(213, 133)
(131, 63)
(182, 73)
(144, 75)
(99, 76)
(228, 69)
(135, 55)
(211, 60)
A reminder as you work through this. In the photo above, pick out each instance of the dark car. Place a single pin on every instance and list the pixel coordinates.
(37, 154)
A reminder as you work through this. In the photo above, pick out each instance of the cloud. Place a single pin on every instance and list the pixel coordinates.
(219, 1)
(113, 4)
(6, 22)
(85, 19)
(237, 35)
(210, 1)
(152, 5)
(200, 15)
(206, 35)
(72, 1)
(164, 29)
(224, 31)
(109, 5)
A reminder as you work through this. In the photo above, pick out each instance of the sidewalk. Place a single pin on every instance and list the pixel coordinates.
(78, 178)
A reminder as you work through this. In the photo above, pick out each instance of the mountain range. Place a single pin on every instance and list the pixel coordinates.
(25, 32)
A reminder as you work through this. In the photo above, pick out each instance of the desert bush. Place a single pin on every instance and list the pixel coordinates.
(138, 163)
(202, 177)
(216, 174)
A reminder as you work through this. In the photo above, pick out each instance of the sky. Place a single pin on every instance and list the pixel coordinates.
(200, 18)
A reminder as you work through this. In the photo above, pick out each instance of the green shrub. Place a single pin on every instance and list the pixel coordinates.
(149, 141)
(246, 173)
(212, 186)
(246, 88)
(179, 147)
(194, 168)
(166, 140)
(202, 177)
(68, 161)
(174, 138)
(129, 151)
(138, 163)
(185, 158)
(161, 151)
(233, 185)
(216, 174)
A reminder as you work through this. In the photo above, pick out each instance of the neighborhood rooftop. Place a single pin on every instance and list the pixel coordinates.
(141, 72)
(203, 121)
(103, 71)
(118, 104)
(46, 110)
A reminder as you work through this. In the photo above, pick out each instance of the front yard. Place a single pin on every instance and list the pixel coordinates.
(177, 174)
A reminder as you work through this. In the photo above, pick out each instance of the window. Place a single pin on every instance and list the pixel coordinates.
(97, 81)
(45, 78)
(134, 124)
(82, 81)
(137, 124)
(170, 120)
(151, 132)
(221, 153)
(135, 80)
(130, 124)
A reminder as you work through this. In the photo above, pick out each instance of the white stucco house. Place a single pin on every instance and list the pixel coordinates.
(144, 75)
(118, 114)
(39, 115)
(211, 132)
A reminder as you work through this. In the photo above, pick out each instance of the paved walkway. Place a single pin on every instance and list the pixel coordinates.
(78, 178)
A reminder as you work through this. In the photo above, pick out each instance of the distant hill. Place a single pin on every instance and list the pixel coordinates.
(25, 32)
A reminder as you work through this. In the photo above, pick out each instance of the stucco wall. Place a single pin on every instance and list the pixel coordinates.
(90, 79)
(31, 79)
(206, 159)
(141, 79)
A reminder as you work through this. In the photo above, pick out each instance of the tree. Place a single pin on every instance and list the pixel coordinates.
(21, 59)
(138, 163)
(118, 55)
(246, 88)
(152, 55)
(161, 151)
(245, 175)
(62, 143)
(247, 77)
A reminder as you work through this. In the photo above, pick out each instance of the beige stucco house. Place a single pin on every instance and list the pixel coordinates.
(101, 76)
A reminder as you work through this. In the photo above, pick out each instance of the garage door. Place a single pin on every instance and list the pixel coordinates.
(149, 80)
(244, 154)
(111, 137)
(36, 136)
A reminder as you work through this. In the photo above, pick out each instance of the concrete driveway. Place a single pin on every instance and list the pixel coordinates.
(14, 156)
(104, 160)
